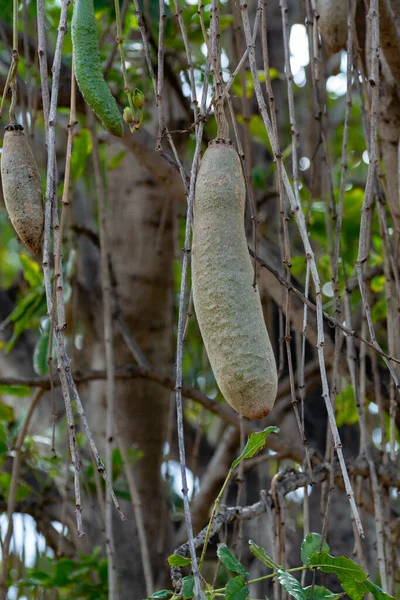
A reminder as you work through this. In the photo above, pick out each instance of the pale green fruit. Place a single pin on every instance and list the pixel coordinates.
(228, 308)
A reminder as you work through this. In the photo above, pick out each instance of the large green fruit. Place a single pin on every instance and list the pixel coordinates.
(228, 308)
(88, 71)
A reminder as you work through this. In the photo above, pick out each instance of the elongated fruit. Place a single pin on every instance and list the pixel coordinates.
(88, 71)
(22, 189)
(333, 23)
(228, 308)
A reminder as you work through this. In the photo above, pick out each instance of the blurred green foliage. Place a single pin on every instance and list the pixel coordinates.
(84, 577)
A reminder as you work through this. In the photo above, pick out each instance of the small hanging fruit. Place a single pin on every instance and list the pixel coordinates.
(333, 23)
(22, 189)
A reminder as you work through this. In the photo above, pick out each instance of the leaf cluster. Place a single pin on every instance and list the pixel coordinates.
(314, 555)
(84, 577)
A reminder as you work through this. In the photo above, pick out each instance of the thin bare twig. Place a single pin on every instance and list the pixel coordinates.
(295, 174)
(57, 261)
(358, 385)
(51, 221)
(109, 353)
(373, 170)
(137, 510)
(110, 60)
(300, 220)
(160, 75)
(179, 352)
(178, 15)
(337, 246)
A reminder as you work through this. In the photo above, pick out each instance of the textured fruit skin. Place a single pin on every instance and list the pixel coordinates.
(22, 189)
(228, 309)
(333, 23)
(88, 71)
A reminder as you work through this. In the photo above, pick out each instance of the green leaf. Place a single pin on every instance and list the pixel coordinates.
(176, 560)
(3, 442)
(225, 21)
(64, 569)
(162, 594)
(90, 559)
(291, 585)
(378, 284)
(19, 391)
(116, 160)
(40, 575)
(22, 307)
(81, 151)
(379, 311)
(103, 571)
(257, 130)
(6, 413)
(255, 443)
(5, 482)
(29, 308)
(236, 589)
(377, 592)
(355, 590)
(134, 454)
(23, 491)
(40, 353)
(351, 575)
(32, 271)
(262, 556)
(209, 590)
(259, 176)
(228, 559)
(123, 494)
(311, 544)
(274, 73)
(343, 566)
(298, 265)
(321, 593)
(346, 408)
(188, 587)
(37, 578)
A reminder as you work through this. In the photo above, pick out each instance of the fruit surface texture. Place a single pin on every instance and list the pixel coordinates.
(333, 23)
(22, 189)
(88, 73)
(228, 309)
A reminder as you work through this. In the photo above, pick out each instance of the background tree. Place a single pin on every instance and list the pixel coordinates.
(318, 136)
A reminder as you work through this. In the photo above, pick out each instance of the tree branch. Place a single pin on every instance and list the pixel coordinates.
(220, 409)
(287, 481)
